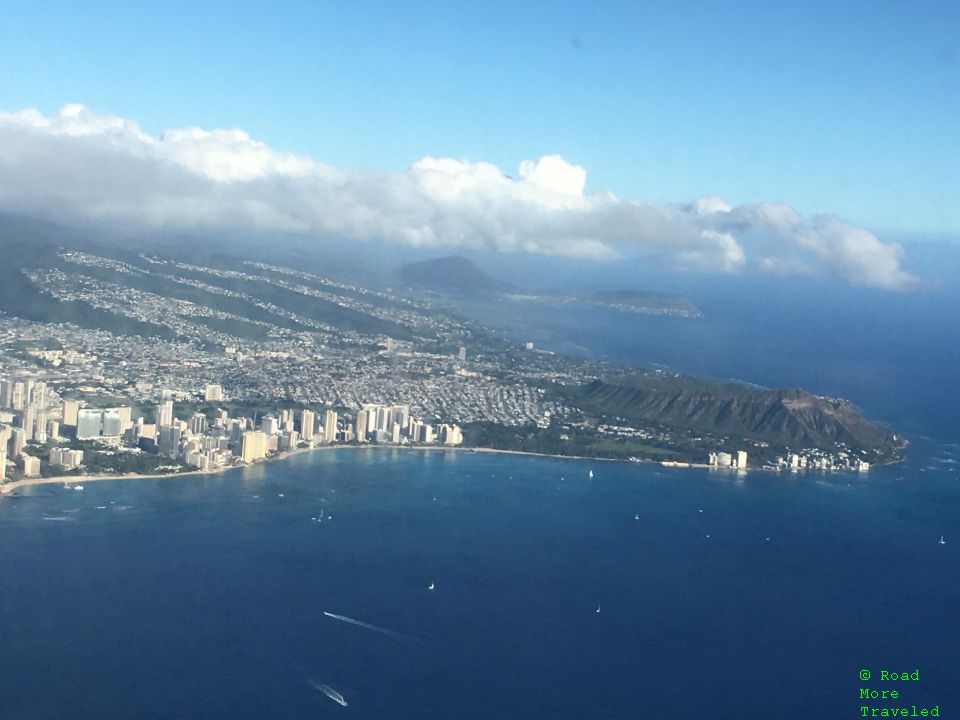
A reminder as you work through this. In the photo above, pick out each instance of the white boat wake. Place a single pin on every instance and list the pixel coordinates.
(383, 631)
(329, 692)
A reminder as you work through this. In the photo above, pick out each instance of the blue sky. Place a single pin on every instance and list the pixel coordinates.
(849, 107)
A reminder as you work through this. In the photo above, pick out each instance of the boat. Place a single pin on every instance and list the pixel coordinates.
(330, 693)
(942, 541)
(590, 474)
(636, 516)
(431, 586)
(78, 487)
(598, 609)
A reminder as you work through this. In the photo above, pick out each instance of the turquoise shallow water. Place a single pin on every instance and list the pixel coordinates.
(204, 597)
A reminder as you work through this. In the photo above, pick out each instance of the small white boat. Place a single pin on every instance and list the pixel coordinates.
(590, 474)
(431, 586)
(330, 693)
(78, 487)
(942, 541)
(598, 609)
(636, 516)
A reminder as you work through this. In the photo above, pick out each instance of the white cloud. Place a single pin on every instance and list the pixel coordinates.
(76, 165)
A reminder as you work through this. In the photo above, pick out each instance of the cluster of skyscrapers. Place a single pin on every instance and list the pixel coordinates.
(227, 440)
(24, 409)
(728, 460)
(199, 440)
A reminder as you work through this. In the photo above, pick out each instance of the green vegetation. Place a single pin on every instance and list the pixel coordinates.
(783, 418)
(154, 283)
(20, 297)
(308, 306)
(235, 327)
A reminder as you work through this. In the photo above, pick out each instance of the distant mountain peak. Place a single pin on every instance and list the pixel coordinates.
(453, 274)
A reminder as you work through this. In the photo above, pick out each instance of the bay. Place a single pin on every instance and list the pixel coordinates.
(752, 595)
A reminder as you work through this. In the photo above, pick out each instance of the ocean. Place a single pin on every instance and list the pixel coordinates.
(719, 595)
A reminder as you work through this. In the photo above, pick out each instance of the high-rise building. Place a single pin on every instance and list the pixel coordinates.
(3, 464)
(67, 458)
(395, 433)
(254, 446)
(126, 421)
(27, 421)
(53, 429)
(462, 354)
(741, 459)
(112, 423)
(330, 426)
(269, 425)
(361, 425)
(307, 419)
(6, 388)
(213, 393)
(168, 440)
(30, 464)
(17, 440)
(18, 396)
(70, 410)
(40, 425)
(451, 435)
(165, 413)
(89, 423)
(198, 423)
(38, 395)
(400, 414)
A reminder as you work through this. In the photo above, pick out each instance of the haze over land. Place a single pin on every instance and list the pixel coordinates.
(80, 166)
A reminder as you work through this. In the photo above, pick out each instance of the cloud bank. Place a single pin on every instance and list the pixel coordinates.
(76, 165)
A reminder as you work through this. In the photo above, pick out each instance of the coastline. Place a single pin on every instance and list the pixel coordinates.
(8, 489)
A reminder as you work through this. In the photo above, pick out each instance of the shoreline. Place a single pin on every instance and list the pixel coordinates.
(8, 489)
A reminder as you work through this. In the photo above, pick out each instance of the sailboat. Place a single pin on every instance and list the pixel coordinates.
(942, 541)
(636, 516)
(431, 586)
(598, 609)
(590, 474)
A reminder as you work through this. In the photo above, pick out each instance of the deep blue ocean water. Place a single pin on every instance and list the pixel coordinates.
(203, 597)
